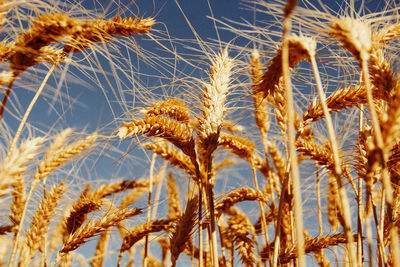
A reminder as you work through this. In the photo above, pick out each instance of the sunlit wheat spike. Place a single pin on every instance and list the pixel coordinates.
(310, 245)
(177, 133)
(114, 187)
(333, 204)
(174, 207)
(47, 29)
(382, 75)
(236, 196)
(387, 33)
(18, 200)
(79, 212)
(101, 249)
(57, 156)
(242, 233)
(173, 156)
(126, 26)
(111, 218)
(323, 155)
(174, 108)
(277, 159)
(354, 34)
(14, 164)
(30, 46)
(101, 31)
(213, 103)
(339, 100)
(184, 227)
(241, 147)
(298, 51)
(259, 101)
(34, 237)
(139, 232)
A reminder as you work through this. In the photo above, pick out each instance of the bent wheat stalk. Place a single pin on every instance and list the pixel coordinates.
(290, 5)
(338, 169)
(29, 109)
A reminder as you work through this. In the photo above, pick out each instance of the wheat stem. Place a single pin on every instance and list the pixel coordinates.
(277, 240)
(148, 214)
(29, 109)
(5, 98)
(291, 134)
(261, 205)
(17, 237)
(338, 169)
(360, 219)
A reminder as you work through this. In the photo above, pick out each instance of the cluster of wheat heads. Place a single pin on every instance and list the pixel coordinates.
(36, 232)
(357, 218)
(297, 159)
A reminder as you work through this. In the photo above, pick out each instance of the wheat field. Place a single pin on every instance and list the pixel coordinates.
(277, 147)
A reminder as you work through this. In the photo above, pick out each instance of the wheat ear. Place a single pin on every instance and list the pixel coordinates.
(175, 132)
(173, 156)
(138, 232)
(174, 207)
(35, 236)
(260, 103)
(92, 228)
(138, 191)
(208, 131)
(236, 196)
(174, 108)
(14, 164)
(101, 249)
(242, 232)
(184, 227)
(311, 245)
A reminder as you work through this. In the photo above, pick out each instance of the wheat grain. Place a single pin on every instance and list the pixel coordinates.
(101, 249)
(260, 108)
(213, 105)
(354, 34)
